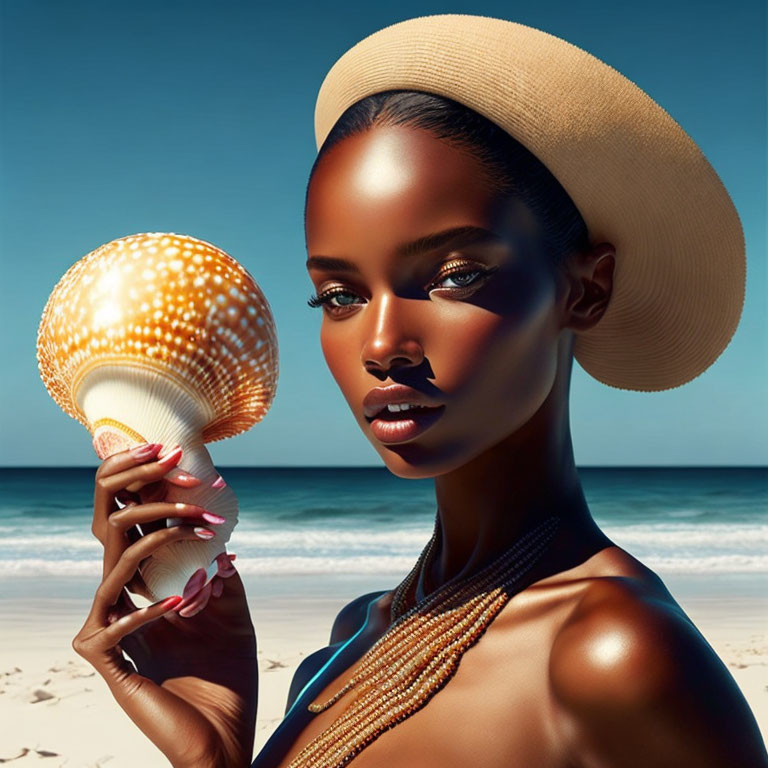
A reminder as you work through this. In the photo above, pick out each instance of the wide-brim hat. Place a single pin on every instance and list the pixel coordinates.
(637, 178)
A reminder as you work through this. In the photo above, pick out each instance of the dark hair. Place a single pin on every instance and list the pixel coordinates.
(512, 169)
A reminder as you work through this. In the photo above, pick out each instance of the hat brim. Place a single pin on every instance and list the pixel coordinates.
(639, 181)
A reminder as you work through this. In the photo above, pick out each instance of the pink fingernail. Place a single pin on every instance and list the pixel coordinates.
(226, 569)
(145, 450)
(195, 583)
(185, 477)
(203, 533)
(197, 603)
(211, 518)
(174, 454)
(218, 482)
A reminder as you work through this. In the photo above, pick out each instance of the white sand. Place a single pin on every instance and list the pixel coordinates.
(54, 708)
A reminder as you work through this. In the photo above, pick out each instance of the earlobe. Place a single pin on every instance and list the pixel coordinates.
(591, 281)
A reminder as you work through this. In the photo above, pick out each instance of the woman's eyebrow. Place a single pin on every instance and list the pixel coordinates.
(454, 236)
(431, 242)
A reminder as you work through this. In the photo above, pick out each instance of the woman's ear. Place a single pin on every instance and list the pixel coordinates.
(590, 277)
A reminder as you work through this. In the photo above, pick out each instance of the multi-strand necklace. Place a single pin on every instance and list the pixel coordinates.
(421, 650)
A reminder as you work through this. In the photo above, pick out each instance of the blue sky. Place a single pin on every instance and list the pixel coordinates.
(197, 117)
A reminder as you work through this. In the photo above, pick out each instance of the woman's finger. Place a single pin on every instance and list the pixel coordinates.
(115, 632)
(195, 604)
(109, 590)
(134, 474)
(92, 645)
(139, 474)
(121, 523)
(145, 513)
(103, 497)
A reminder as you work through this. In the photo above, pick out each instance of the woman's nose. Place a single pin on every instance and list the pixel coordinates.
(392, 340)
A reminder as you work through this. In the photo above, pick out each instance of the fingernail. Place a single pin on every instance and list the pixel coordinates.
(195, 583)
(204, 533)
(197, 603)
(185, 477)
(174, 454)
(217, 588)
(171, 602)
(232, 557)
(218, 482)
(190, 610)
(215, 519)
(145, 449)
(226, 568)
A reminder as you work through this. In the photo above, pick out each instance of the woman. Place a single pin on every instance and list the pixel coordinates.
(458, 279)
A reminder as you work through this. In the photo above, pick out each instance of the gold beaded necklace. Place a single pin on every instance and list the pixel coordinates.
(421, 650)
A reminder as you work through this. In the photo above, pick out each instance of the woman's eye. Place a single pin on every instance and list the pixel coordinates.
(336, 300)
(326, 299)
(461, 278)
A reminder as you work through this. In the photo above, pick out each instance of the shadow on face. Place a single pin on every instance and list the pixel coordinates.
(428, 277)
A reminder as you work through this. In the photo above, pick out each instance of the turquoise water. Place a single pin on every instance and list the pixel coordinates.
(367, 521)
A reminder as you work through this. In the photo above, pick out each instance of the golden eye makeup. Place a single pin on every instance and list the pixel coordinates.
(452, 269)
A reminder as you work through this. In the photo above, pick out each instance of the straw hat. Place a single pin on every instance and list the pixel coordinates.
(639, 181)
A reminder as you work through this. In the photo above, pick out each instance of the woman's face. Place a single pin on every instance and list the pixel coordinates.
(433, 282)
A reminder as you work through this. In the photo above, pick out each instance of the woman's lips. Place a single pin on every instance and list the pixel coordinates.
(400, 426)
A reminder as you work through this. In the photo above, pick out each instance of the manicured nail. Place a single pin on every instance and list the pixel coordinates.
(226, 569)
(195, 583)
(180, 474)
(215, 519)
(232, 557)
(171, 602)
(204, 533)
(145, 449)
(197, 603)
(218, 482)
(174, 454)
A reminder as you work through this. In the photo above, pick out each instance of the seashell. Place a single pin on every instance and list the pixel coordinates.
(163, 338)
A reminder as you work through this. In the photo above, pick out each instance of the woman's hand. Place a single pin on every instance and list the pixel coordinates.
(192, 687)
(110, 492)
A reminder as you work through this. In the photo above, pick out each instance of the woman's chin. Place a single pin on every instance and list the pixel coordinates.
(413, 461)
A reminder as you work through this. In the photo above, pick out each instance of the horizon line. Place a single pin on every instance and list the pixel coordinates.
(379, 466)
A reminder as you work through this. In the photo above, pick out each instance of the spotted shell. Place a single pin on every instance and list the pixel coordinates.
(171, 303)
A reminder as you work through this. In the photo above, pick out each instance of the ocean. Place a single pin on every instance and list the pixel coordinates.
(305, 521)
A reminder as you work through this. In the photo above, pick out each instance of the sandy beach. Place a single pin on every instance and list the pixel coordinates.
(56, 709)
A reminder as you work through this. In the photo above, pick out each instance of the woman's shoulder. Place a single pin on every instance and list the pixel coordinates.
(627, 661)
(352, 616)
(623, 629)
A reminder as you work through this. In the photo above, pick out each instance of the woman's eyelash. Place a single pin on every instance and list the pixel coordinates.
(480, 272)
(324, 298)
(316, 301)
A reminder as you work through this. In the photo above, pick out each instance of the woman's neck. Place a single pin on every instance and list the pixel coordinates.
(484, 506)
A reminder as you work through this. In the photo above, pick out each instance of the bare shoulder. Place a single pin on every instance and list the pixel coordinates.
(348, 621)
(636, 684)
(625, 637)
(352, 617)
